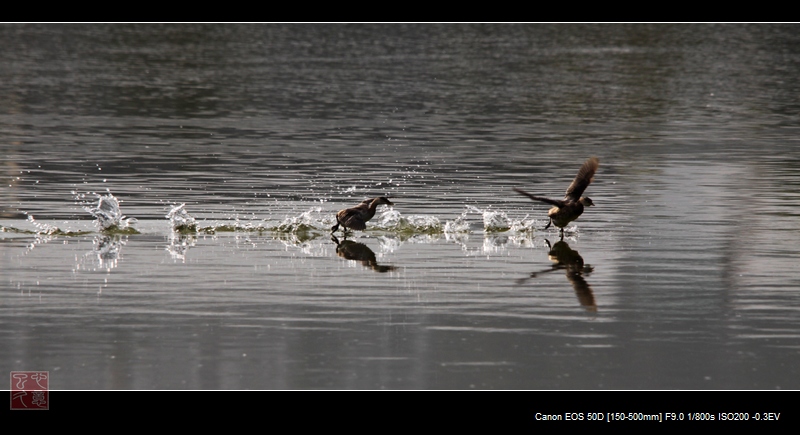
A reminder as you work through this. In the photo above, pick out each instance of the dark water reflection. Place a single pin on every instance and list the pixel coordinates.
(351, 250)
(570, 261)
(683, 276)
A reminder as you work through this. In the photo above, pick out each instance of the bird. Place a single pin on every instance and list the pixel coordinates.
(356, 218)
(571, 207)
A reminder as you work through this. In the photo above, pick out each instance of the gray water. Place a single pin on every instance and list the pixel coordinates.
(683, 276)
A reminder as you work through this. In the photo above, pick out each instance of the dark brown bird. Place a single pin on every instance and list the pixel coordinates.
(567, 210)
(356, 218)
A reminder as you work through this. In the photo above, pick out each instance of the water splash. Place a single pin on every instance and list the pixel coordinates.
(236, 226)
(44, 232)
(457, 226)
(307, 221)
(392, 220)
(493, 221)
(108, 215)
(308, 224)
(181, 221)
(523, 225)
(42, 228)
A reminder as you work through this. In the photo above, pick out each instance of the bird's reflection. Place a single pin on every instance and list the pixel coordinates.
(351, 250)
(570, 261)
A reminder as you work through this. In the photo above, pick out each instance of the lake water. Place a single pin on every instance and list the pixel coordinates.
(683, 276)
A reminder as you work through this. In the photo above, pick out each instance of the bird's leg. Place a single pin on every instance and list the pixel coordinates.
(562, 233)
(548, 224)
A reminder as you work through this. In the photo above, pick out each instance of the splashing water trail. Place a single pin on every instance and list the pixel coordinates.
(181, 220)
(306, 221)
(523, 225)
(107, 213)
(493, 221)
(498, 221)
(389, 219)
(392, 220)
(459, 225)
(42, 228)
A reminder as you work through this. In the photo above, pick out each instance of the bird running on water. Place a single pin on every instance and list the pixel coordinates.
(356, 218)
(567, 210)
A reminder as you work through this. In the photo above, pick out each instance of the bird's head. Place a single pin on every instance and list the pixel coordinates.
(383, 200)
(586, 201)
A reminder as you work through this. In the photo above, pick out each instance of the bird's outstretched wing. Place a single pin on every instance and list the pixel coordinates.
(583, 179)
(555, 202)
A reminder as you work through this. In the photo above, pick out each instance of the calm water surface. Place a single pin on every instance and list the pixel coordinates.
(684, 275)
